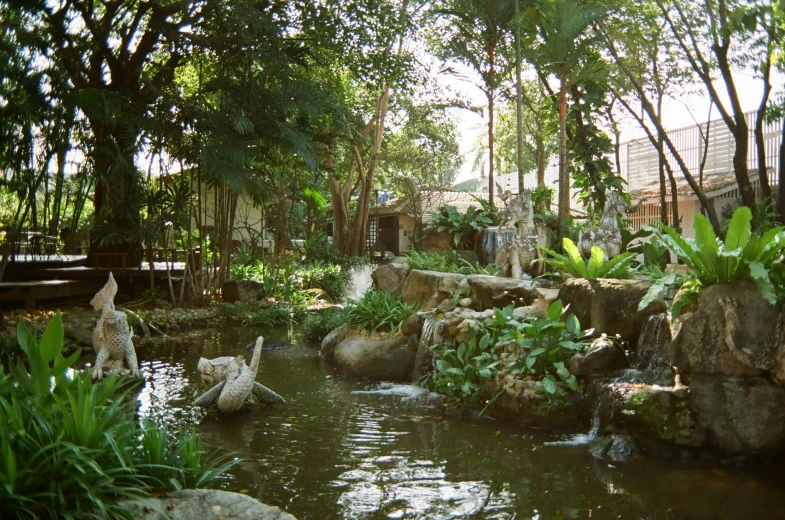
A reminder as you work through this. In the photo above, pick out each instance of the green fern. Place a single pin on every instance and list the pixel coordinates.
(572, 265)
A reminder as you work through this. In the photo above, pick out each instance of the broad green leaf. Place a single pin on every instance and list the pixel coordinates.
(555, 310)
(706, 242)
(616, 265)
(455, 371)
(485, 341)
(573, 324)
(52, 340)
(485, 373)
(572, 382)
(761, 276)
(561, 370)
(656, 289)
(25, 338)
(575, 258)
(739, 229)
(462, 351)
(595, 262)
(549, 385)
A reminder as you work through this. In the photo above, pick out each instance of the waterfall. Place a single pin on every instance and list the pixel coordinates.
(359, 281)
(431, 332)
(653, 364)
(491, 239)
(583, 439)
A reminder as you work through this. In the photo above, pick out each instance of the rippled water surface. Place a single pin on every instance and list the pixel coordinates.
(351, 449)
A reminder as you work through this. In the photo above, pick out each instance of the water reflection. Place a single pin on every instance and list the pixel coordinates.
(351, 449)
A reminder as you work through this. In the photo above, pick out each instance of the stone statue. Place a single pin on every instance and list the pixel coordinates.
(518, 256)
(607, 236)
(233, 382)
(112, 336)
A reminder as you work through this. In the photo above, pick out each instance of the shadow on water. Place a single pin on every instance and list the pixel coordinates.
(352, 449)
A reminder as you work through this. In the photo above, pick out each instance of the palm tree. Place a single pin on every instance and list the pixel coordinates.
(562, 48)
(477, 33)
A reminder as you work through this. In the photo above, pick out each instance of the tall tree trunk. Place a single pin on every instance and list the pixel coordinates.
(781, 177)
(564, 179)
(760, 143)
(518, 97)
(490, 147)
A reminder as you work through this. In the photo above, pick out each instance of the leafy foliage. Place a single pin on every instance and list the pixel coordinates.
(709, 260)
(572, 264)
(320, 324)
(546, 344)
(447, 262)
(378, 311)
(461, 370)
(70, 447)
(460, 225)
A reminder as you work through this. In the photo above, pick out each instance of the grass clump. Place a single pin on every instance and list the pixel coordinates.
(378, 311)
(70, 447)
(447, 262)
(320, 324)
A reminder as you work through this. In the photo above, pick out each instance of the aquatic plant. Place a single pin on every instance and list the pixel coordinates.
(70, 447)
(572, 264)
(378, 311)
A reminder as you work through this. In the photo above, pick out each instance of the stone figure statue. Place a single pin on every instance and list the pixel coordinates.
(112, 336)
(233, 382)
(518, 256)
(607, 236)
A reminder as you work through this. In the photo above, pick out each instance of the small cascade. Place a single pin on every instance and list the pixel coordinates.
(583, 439)
(653, 365)
(359, 281)
(491, 239)
(431, 332)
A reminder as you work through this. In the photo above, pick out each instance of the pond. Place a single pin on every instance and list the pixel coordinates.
(348, 449)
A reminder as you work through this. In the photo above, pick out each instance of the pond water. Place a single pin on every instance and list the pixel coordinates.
(348, 449)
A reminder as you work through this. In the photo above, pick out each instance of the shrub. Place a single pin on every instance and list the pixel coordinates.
(460, 371)
(70, 447)
(709, 260)
(572, 264)
(274, 315)
(320, 324)
(460, 225)
(378, 311)
(448, 262)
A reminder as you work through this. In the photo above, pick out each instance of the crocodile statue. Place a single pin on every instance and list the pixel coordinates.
(519, 255)
(112, 336)
(232, 382)
(607, 236)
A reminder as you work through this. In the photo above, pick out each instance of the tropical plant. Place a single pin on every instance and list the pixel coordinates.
(448, 262)
(460, 225)
(461, 371)
(546, 344)
(378, 311)
(319, 324)
(709, 260)
(572, 264)
(70, 446)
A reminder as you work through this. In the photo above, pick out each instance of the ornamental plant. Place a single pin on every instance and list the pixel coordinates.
(460, 225)
(710, 260)
(572, 265)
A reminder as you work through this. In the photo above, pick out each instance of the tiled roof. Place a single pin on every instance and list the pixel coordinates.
(713, 183)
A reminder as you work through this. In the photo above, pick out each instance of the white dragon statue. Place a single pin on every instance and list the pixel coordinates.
(233, 382)
(607, 236)
(518, 256)
(112, 336)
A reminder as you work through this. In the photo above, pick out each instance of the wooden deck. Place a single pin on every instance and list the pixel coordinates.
(31, 291)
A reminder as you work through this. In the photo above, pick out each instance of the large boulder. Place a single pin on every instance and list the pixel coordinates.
(495, 291)
(438, 241)
(430, 288)
(206, 504)
(390, 277)
(610, 306)
(603, 358)
(728, 334)
(242, 291)
(526, 403)
(743, 415)
(375, 358)
(331, 341)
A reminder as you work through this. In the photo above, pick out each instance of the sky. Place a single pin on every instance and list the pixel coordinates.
(685, 110)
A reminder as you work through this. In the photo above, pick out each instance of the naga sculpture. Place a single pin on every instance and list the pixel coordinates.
(112, 336)
(233, 382)
(518, 255)
(607, 236)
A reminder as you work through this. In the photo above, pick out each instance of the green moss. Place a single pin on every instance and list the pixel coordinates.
(644, 405)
